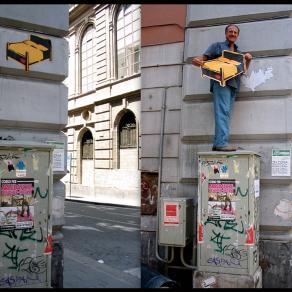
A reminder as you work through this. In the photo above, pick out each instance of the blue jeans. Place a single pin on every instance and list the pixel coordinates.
(223, 100)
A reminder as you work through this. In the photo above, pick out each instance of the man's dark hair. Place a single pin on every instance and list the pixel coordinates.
(231, 24)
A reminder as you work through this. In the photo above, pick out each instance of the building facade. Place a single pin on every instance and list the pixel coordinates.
(104, 103)
(177, 117)
(162, 46)
(33, 65)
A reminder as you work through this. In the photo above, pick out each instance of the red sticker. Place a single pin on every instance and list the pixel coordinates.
(171, 210)
(49, 245)
(171, 213)
(250, 235)
(200, 233)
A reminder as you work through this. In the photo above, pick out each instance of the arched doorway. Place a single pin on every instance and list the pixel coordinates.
(87, 161)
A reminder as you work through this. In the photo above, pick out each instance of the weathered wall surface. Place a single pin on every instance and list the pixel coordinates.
(162, 57)
(261, 118)
(34, 101)
(47, 19)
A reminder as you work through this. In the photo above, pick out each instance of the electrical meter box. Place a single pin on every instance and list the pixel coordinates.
(25, 214)
(175, 221)
(228, 212)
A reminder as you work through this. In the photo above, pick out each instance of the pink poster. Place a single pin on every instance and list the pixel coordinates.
(221, 200)
(16, 210)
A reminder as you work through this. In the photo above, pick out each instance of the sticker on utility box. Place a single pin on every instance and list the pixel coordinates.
(16, 211)
(208, 283)
(171, 213)
(58, 155)
(256, 188)
(15, 192)
(221, 200)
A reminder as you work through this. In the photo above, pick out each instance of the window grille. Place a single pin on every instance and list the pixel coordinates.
(127, 131)
(87, 146)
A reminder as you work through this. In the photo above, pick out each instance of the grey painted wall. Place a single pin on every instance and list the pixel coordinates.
(34, 103)
(47, 19)
(208, 15)
(55, 69)
(261, 118)
(161, 92)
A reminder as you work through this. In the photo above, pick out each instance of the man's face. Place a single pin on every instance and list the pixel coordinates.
(232, 34)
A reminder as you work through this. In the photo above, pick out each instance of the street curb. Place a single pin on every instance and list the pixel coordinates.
(99, 203)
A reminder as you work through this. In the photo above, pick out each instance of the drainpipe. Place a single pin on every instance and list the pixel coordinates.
(70, 171)
(161, 140)
(163, 107)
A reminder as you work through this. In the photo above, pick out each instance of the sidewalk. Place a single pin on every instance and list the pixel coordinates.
(95, 200)
(84, 272)
(91, 199)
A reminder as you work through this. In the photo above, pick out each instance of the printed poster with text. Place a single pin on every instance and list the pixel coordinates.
(281, 162)
(221, 199)
(16, 211)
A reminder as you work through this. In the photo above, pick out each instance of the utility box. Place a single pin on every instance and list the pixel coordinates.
(25, 214)
(175, 221)
(228, 212)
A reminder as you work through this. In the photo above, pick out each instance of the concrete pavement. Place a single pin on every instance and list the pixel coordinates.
(101, 246)
(84, 272)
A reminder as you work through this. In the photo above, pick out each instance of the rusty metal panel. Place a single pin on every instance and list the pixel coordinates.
(25, 210)
(228, 212)
(276, 263)
(149, 193)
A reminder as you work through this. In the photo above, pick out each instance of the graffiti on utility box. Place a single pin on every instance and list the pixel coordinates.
(25, 227)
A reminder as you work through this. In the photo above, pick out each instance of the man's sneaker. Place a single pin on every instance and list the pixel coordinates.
(225, 148)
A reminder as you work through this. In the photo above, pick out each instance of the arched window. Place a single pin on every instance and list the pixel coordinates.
(127, 131)
(87, 55)
(128, 40)
(87, 146)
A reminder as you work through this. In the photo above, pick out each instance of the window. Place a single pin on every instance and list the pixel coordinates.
(128, 40)
(87, 146)
(87, 55)
(127, 131)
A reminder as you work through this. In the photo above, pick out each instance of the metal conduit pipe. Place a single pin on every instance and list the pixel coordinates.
(159, 180)
(183, 261)
(168, 261)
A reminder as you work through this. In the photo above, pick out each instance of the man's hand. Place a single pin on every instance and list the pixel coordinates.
(248, 57)
(198, 61)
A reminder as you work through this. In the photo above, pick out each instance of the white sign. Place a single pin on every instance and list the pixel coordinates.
(256, 188)
(281, 162)
(58, 155)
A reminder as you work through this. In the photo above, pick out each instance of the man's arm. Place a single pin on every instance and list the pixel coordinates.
(199, 60)
(210, 53)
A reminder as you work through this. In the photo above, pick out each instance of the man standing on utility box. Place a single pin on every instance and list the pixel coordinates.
(223, 97)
